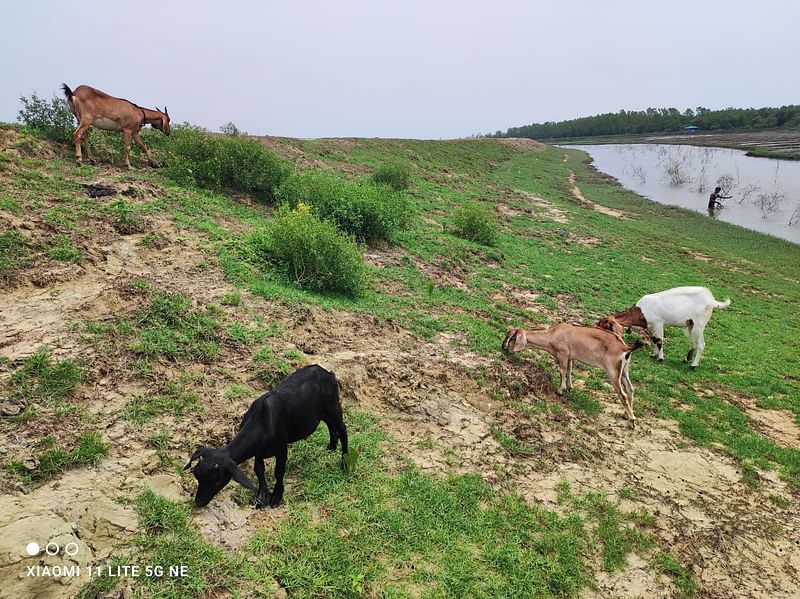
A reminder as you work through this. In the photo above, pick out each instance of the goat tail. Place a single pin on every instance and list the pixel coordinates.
(67, 91)
(722, 305)
(632, 348)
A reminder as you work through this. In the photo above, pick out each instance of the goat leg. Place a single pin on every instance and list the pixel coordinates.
(280, 469)
(263, 490)
(334, 436)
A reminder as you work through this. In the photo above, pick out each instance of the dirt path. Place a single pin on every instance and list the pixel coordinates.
(578, 194)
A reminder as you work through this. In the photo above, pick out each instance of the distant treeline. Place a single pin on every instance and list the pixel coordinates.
(658, 120)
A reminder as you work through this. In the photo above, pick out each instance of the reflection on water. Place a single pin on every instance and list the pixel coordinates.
(765, 193)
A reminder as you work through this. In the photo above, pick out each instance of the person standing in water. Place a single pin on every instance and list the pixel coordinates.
(716, 195)
(714, 201)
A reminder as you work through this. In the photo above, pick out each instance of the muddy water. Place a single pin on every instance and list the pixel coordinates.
(765, 192)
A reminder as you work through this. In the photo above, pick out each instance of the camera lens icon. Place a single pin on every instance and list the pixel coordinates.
(52, 548)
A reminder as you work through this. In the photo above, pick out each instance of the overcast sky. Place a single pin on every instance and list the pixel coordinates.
(425, 69)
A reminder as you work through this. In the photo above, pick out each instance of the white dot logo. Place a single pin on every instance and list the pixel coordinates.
(32, 549)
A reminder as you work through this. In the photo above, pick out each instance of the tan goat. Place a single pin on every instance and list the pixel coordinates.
(93, 107)
(589, 345)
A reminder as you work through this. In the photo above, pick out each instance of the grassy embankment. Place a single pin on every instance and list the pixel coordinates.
(390, 530)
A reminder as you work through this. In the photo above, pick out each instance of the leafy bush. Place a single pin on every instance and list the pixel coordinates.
(395, 176)
(196, 157)
(311, 252)
(364, 211)
(230, 128)
(52, 119)
(476, 223)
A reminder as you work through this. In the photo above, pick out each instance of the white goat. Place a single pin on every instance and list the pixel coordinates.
(687, 307)
(589, 345)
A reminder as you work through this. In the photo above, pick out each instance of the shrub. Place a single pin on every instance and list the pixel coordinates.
(230, 128)
(364, 211)
(395, 176)
(311, 252)
(196, 157)
(476, 223)
(52, 119)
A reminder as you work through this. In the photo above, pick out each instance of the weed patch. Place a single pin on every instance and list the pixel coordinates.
(43, 379)
(63, 250)
(172, 399)
(169, 327)
(196, 157)
(52, 459)
(311, 253)
(364, 211)
(397, 176)
(476, 223)
(13, 252)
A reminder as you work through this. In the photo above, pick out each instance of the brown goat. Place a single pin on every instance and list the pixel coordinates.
(589, 345)
(93, 107)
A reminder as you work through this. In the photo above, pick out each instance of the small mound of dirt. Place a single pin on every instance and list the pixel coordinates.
(523, 144)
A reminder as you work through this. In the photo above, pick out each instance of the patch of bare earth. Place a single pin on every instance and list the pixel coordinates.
(532, 204)
(779, 425)
(578, 195)
(523, 144)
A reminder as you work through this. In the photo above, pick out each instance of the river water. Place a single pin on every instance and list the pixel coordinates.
(765, 192)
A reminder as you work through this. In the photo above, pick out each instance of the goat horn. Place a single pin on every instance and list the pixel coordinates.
(165, 110)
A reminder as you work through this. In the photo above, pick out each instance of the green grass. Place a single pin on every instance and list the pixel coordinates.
(42, 379)
(172, 399)
(591, 280)
(309, 252)
(387, 531)
(360, 534)
(63, 250)
(169, 327)
(125, 218)
(13, 251)
(511, 444)
(51, 459)
(665, 563)
(476, 223)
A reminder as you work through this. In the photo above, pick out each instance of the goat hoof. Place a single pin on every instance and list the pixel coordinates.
(661, 360)
(275, 501)
(261, 504)
(693, 366)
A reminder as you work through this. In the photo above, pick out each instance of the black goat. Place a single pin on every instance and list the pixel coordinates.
(292, 411)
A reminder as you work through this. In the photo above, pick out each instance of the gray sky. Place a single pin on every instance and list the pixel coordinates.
(425, 69)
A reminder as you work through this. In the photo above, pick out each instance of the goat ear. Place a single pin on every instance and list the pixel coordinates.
(520, 342)
(506, 346)
(197, 455)
(241, 478)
